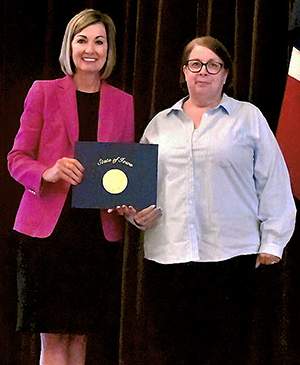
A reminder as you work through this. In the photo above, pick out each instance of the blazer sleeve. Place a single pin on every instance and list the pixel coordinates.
(22, 159)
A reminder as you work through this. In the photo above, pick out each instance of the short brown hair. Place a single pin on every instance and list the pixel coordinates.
(214, 45)
(80, 21)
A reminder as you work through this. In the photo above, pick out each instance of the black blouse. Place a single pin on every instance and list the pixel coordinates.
(88, 115)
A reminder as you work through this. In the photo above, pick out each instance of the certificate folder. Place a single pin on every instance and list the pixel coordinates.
(116, 174)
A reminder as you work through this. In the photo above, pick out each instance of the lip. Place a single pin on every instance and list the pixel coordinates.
(202, 82)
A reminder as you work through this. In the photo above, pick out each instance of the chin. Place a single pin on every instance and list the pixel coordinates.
(90, 70)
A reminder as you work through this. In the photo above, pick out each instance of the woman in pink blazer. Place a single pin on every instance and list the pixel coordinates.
(69, 260)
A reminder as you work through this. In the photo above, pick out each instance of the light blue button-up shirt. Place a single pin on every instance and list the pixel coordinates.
(224, 187)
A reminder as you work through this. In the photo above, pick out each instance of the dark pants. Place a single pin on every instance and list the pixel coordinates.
(197, 313)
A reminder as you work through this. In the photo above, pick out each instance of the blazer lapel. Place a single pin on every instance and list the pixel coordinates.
(66, 94)
(106, 113)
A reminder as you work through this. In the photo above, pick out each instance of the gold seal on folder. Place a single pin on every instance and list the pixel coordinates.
(115, 181)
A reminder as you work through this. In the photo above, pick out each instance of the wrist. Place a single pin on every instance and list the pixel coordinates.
(137, 224)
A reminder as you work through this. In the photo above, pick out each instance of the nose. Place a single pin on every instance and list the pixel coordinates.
(89, 47)
(203, 71)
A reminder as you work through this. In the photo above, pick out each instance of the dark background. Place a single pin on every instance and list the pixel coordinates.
(151, 36)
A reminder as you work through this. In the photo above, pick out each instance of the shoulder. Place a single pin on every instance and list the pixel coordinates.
(238, 106)
(46, 86)
(159, 119)
(55, 82)
(160, 123)
(112, 91)
(64, 82)
(168, 113)
(245, 114)
(43, 90)
(250, 119)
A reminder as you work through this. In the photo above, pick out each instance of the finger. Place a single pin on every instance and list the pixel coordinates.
(270, 259)
(126, 210)
(267, 259)
(153, 221)
(154, 215)
(72, 172)
(70, 177)
(76, 164)
(129, 211)
(120, 210)
(260, 260)
(148, 219)
(70, 163)
(147, 212)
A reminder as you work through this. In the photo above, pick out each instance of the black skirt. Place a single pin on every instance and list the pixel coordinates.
(70, 282)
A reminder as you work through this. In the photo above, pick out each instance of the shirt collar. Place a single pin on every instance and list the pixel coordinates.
(226, 104)
(178, 105)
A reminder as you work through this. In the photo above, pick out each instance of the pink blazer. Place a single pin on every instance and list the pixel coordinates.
(48, 131)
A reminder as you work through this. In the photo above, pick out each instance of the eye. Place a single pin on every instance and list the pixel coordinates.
(195, 64)
(214, 65)
(80, 41)
(99, 42)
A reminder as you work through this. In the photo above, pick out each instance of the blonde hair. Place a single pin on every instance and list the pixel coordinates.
(80, 21)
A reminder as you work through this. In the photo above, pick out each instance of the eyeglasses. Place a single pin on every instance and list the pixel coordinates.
(212, 67)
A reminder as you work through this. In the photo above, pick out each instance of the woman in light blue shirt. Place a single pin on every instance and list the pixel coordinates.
(226, 207)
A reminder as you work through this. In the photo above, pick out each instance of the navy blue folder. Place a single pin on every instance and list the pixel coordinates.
(116, 174)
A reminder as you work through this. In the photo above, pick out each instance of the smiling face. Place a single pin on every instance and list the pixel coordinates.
(89, 49)
(202, 84)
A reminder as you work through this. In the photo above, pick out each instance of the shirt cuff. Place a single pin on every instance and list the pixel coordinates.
(271, 249)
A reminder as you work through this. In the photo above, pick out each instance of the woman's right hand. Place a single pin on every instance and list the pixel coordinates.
(67, 169)
(145, 218)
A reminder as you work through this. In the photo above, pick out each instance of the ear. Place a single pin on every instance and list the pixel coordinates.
(184, 70)
(225, 77)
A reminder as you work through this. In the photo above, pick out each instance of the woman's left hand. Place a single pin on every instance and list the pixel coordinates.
(266, 259)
